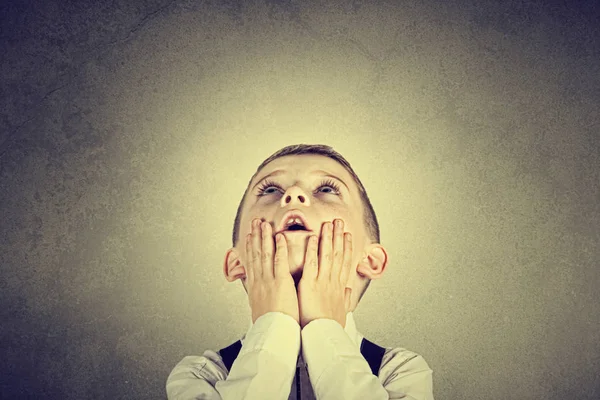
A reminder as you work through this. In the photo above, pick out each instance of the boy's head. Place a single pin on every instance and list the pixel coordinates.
(294, 178)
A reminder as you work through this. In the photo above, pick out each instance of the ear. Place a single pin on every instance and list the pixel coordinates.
(374, 261)
(232, 266)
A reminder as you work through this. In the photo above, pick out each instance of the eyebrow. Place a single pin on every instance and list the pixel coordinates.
(323, 173)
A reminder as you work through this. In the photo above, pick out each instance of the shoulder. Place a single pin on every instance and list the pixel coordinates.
(400, 361)
(405, 373)
(209, 367)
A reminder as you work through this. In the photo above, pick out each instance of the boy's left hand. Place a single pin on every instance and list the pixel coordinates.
(322, 291)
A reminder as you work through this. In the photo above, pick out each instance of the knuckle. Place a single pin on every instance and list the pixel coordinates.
(279, 257)
(265, 256)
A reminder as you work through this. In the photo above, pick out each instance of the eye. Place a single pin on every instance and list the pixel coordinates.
(269, 184)
(331, 184)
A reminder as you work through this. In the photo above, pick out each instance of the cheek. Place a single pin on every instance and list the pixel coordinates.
(349, 227)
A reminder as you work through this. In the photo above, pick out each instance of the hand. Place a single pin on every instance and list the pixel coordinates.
(322, 291)
(269, 288)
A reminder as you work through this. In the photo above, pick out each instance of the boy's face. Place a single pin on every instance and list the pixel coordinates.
(299, 181)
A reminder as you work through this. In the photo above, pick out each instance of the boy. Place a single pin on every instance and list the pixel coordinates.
(302, 342)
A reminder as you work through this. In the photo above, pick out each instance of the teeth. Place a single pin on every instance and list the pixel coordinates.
(293, 221)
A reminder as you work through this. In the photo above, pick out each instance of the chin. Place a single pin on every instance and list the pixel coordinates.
(296, 257)
(296, 271)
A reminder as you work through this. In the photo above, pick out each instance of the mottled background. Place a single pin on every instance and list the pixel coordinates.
(129, 130)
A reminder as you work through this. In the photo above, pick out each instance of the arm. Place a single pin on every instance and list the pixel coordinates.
(264, 368)
(337, 369)
(190, 379)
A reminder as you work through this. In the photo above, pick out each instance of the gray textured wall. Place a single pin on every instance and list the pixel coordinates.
(129, 131)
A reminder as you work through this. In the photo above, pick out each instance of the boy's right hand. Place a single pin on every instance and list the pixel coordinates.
(270, 285)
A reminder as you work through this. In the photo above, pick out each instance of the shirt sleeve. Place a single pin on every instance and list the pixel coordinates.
(264, 367)
(337, 369)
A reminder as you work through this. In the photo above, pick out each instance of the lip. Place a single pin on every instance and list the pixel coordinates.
(292, 214)
(294, 233)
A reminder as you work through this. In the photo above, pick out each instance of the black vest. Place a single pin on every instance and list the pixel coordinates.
(369, 350)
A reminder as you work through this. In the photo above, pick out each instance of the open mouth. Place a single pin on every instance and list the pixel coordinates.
(296, 227)
(294, 221)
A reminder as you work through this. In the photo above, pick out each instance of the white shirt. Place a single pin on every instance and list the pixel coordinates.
(272, 349)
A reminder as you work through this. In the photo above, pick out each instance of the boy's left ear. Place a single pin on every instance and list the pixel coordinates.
(374, 261)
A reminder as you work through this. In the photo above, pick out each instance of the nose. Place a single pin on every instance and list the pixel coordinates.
(294, 195)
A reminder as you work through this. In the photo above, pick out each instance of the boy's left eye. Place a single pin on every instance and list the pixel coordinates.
(268, 184)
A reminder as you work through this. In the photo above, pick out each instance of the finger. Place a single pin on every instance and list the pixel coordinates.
(281, 257)
(347, 263)
(249, 261)
(348, 299)
(311, 268)
(325, 251)
(256, 250)
(267, 250)
(337, 266)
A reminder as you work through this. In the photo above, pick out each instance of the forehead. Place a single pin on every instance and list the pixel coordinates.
(303, 165)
